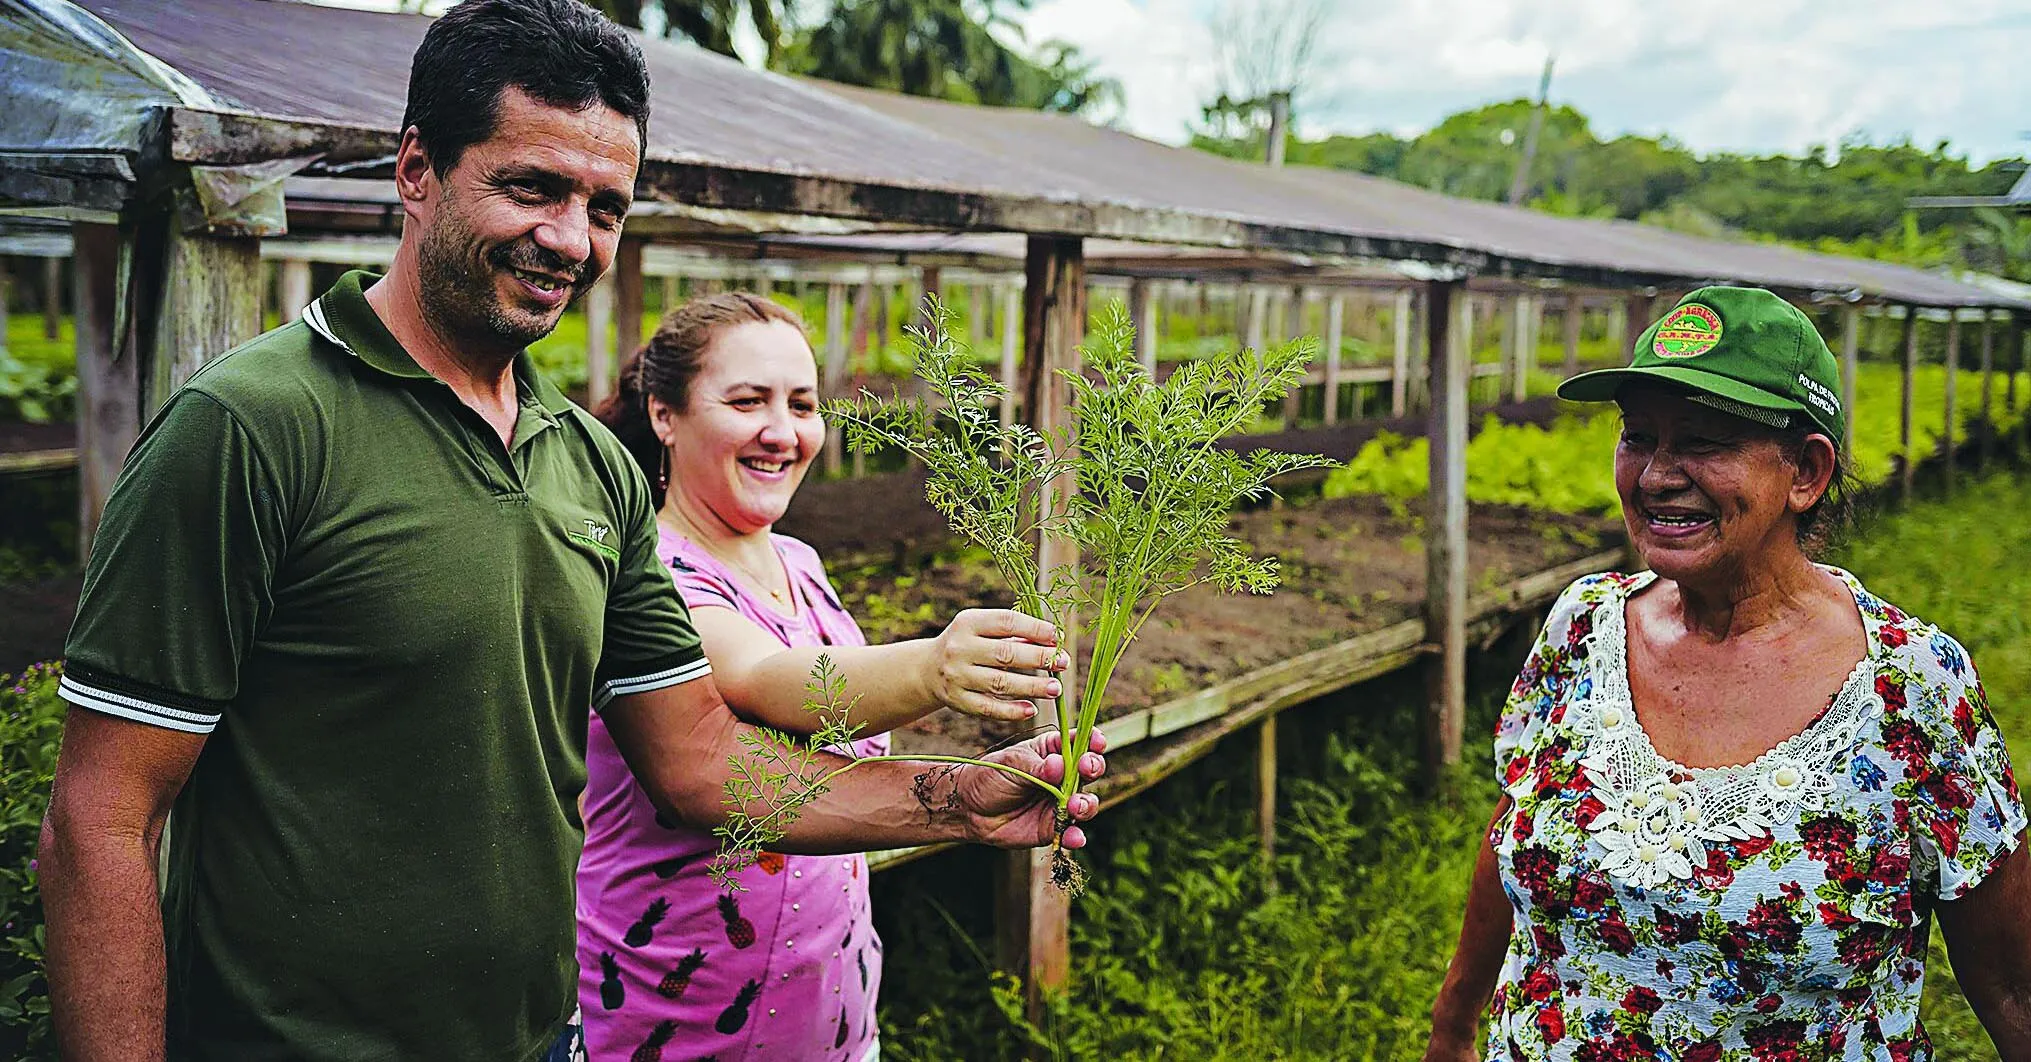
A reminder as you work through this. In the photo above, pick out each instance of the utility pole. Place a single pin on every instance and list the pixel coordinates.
(1521, 179)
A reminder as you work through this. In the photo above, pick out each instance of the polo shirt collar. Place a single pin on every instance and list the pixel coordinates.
(343, 316)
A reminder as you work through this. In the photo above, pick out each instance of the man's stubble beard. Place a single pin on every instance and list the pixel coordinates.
(461, 301)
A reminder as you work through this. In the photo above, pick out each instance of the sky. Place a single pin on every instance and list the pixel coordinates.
(1734, 75)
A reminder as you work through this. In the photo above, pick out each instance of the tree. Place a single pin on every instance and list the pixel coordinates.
(947, 49)
(709, 23)
(1266, 49)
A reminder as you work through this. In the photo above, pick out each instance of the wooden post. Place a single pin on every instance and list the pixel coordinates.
(1293, 329)
(1142, 312)
(670, 295)
(109, 377)
(1265, 799)
(628, 298)
(1446, 530)
(295, 289)
(1952, 385)
(1336, 323)
(52, 297)
(834, 383)
(1988, 386)
(932, 281)
(1520, 343)
(1638, 313)
(599, 342)
(1257, 301)
(764, 285)
(1851, 366)
(1011, 336)
(863, 318)
(1909, 479)
(1032, 916)
(1575, 316)
(210, 303)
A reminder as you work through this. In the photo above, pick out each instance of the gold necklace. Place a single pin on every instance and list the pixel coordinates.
(753, 576)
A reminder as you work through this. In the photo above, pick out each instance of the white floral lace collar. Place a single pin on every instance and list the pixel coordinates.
(1660, 815)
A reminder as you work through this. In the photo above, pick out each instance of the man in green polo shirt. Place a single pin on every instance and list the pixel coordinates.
(352, 596)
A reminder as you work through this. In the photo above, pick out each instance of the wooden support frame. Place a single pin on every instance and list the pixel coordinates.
(1988, 363)
(1575, 316)
(1142, 313)
(1032, 918)
(1952, 385)
(1908, 481)
(1292, 328)
(833, 384)
(1336, 324)
(294, 292)
(108, 365)
(630, 300)
(1521, 345)
(1851, 366)
(599, 342)
(52, 298)
(1011, 340)
(1402, 311)
(210, 302)
(1446, 529)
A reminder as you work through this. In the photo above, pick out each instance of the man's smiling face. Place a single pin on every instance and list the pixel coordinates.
(525, 221)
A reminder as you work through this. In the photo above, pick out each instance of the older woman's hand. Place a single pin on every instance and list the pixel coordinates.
(994, 663)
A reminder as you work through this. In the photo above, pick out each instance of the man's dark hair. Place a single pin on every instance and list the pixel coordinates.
(560, 52)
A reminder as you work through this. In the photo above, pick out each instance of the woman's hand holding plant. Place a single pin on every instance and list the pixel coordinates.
(994, 663)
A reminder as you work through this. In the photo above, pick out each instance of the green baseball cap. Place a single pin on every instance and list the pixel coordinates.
(1740, 350)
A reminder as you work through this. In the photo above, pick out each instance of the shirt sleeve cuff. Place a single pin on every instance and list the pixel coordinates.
(628, 685)
(98, 698)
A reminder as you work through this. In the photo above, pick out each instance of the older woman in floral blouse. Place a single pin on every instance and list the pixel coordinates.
(1738, 787)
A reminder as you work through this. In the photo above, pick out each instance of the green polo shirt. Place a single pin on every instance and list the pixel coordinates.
(391, 627)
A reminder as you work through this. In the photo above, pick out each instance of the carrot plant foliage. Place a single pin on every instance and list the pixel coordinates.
(1155, 489)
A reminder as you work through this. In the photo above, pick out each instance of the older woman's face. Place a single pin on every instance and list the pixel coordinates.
(1703, 492)
(751, 427)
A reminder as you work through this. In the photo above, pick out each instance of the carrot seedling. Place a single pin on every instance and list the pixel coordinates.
(1155, 488)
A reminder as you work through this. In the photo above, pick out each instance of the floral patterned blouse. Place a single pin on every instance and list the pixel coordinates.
(1777, 910)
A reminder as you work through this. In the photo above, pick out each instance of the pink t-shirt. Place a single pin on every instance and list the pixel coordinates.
(788, 969)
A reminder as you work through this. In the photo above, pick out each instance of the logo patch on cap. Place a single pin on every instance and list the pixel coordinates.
(1691, 330)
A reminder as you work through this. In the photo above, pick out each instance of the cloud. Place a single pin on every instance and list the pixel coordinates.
(1741, 75)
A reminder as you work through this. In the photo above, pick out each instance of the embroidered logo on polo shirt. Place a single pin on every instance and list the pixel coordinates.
(595, 535)
(1691, 329)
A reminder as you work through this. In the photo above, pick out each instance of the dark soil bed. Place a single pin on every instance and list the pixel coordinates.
(1350, 565)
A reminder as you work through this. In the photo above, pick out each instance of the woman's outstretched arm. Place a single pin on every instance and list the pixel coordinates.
(994, 663)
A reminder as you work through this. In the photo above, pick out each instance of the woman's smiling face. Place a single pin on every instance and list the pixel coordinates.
(1705, 494)
(750, 427)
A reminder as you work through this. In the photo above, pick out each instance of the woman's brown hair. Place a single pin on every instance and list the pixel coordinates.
(668, 363)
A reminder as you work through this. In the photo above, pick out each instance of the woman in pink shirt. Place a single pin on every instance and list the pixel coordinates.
(721, 410)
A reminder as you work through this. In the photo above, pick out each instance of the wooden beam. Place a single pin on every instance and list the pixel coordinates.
(1399, 364)
(1909, 479)
(1988, 387)
(1011, 338)
(295, 293)
(1638, 312)
(599, 342)
(670, 292)
(629, 298)
(1446, 530)
(1293, 328)
(1336, 324)
(1520, 343)
(210, 303)
(108, 366)
(1142, 314)
(52, 297)
(1851, 367)
(931, 289)
(1265, 799)
(834, 384)
(1257, 299)
(1575, 315)
(1032, 924)
(1952, 386)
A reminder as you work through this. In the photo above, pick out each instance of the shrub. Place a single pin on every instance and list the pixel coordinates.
(31, 721)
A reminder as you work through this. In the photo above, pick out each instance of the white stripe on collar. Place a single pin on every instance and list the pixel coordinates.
(313, 315)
